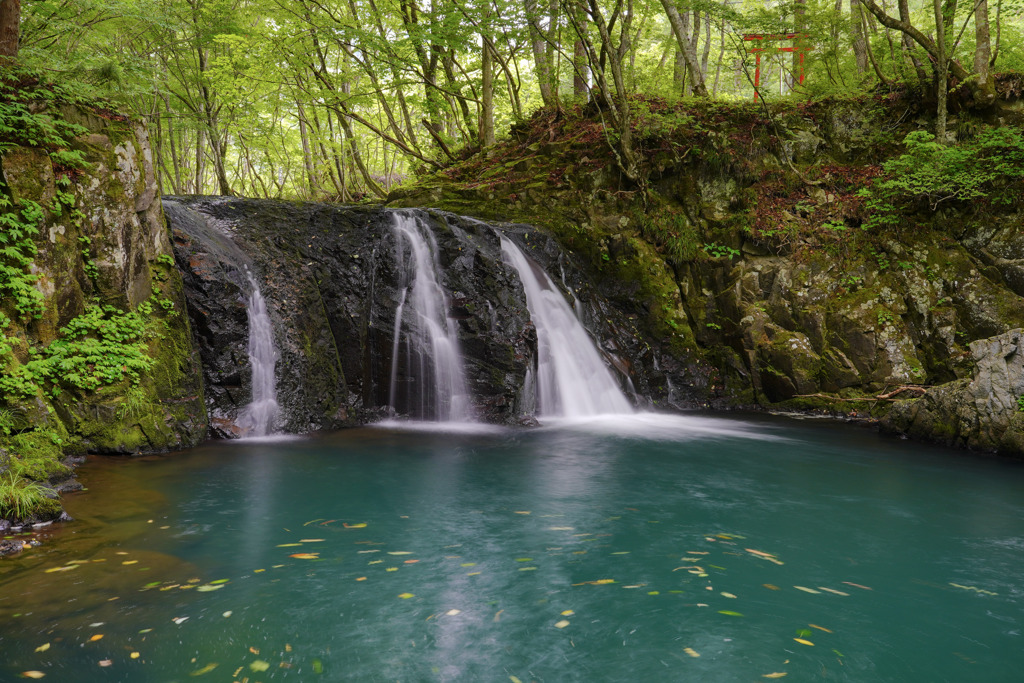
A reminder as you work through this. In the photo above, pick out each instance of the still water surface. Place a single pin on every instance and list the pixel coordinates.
(683, 549)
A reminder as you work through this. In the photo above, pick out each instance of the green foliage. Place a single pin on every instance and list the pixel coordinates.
(102, 346)
(989, 167)
(1020, 404)
(19, 223)
(19, 497)
(715, 250)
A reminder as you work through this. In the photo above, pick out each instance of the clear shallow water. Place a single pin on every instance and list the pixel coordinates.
(570, 552)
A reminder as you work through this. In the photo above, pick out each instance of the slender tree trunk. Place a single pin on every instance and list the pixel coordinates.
(307, 153)
(985, 93)
(682, 37)
(487, 98)
(10, 29)
(580, 89)
(941, 73)
(908, 45)
(679, 73)
(860, 46)
(542, 63)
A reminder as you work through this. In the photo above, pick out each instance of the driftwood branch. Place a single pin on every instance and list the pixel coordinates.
(887, 396)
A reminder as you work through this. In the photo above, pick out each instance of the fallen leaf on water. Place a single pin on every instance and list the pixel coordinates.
(65, 568)
(305, 556)
(361, 578)
(179, 620)
(134, 655)
(567, 613)
(729, 613)
(820, 628)
(777, 674)
(32, 674)
(205, 670)
(207, 588)
(561, 528)
(288, 545)
(105, 662)
(363, 552)
(771, 586)
(857, 585)
(96, 637)
(561, 624)
(805, 589)
(311, 540)
(728, 595)
(254, 650)
(833, 590)
(227, 614)
(130, 562)
(361, 525)
(259, 665)
(522, 512)
(690, 651)
(497, 615)
(524, 559)
(621, 552)
(406, 596)
(399, 552)
(43, 648)
(411, 561)
(514, 679)
(804, 642)
(527, 569)
(391, 569)
(452, 612)
(468, 564)
(697, 552)
(764, 555)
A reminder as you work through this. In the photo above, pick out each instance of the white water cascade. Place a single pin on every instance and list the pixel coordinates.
(259, 417)
(572, 381)
(434, 384)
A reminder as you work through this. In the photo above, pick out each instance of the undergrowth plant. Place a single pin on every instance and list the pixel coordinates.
(988, 168)
(19, 497)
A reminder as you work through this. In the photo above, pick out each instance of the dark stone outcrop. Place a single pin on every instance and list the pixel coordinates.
(330, 279)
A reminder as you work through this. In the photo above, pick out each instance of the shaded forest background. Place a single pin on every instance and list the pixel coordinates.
(346, 99)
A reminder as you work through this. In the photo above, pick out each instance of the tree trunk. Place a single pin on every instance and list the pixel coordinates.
(10, 29)
(487, 98)
(542, 63)
(679, 29)
(580, 66)
(860, 46)
(941, 73)
(986, 92)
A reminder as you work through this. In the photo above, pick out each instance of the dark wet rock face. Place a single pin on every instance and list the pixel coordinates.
(332, 285)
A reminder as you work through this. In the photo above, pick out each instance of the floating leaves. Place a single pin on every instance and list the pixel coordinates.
(305, 556)
(562, 623)
(98, 636)
(690, 651)
(206, 669)
(777, 674)
(32, 674)
(259, 665)
(805, 589)
(966, 588)
(43, 648)
(804, 642)
(406, 596)
(729, 613)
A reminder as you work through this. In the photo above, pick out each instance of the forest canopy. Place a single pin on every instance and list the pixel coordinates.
(343, 99)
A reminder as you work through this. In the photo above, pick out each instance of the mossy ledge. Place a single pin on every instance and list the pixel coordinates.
(752, 245)
(93, 280)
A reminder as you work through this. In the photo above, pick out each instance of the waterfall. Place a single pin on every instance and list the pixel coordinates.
(431, 383)
(571, 378)
(259, 417)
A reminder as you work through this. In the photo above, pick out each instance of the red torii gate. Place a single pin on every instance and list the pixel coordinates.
(796, 47)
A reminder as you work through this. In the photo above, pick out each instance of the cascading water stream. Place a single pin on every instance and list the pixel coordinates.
(259, 417)
(571, 379)
(434, 385)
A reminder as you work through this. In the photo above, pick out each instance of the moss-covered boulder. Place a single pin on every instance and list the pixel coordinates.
(95, 348)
